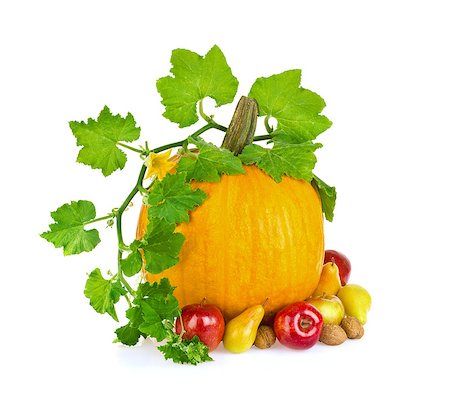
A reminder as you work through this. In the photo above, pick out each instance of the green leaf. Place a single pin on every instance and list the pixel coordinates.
(161, 245)
(295, 160)
(171, 198)
(296, 109)
(209, 163)
(185, 352)
(134, 313)
(194, 78)
(159, 296)
(128, 335)
(327, 195)
(132, 264)
(99, 139)
(68, 230)
(146, 289)
(103, 293)
(153, 304)
(153, 323)
(165, 305)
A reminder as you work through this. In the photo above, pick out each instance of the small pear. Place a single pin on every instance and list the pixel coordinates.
(330, 282)
(356, 301)
(240, 332)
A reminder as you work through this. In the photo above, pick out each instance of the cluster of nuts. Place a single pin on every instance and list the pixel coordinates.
(350, 327)
(332, 334)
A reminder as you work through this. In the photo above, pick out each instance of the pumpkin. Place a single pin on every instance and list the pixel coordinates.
(252, 239)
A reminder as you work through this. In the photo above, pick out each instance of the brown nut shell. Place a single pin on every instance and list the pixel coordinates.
(265, 337)
(352, 327)
(332, 334)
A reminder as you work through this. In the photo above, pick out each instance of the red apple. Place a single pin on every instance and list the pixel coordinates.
(342, 262)
(298, 325)
(204, 321)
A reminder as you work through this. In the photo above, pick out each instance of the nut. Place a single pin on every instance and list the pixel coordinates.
(332, 334)
(352, 327)
(265, 337)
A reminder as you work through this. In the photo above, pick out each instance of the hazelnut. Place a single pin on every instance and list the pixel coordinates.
(332, 334)
(352, 327)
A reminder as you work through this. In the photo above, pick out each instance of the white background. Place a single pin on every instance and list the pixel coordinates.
(383, 69)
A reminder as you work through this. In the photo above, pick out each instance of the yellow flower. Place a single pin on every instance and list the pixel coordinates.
(159, 164)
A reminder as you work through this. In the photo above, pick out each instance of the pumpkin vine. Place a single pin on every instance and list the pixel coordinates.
(170, 197)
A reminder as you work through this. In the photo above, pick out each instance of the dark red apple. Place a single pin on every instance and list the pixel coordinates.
(298, 325)
(342, 262)
(204, 321)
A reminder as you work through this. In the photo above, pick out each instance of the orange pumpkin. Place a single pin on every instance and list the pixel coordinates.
(252, 239)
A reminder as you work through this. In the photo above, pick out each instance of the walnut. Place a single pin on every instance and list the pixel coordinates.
(265, 337)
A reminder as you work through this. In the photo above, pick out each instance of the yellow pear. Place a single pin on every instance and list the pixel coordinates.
(240, 332)
(356, 300)
(330, 282)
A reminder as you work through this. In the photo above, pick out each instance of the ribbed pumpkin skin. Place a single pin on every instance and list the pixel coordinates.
(251, 239)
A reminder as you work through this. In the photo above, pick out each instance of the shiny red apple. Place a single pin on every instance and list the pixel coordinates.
(342, 262)
(204, 321)
(298, 325)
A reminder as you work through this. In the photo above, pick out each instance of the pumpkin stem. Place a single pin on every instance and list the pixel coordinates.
(242, 126)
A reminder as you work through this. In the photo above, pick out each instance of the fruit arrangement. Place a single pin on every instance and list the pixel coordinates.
(323, 317)
(229, 243)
